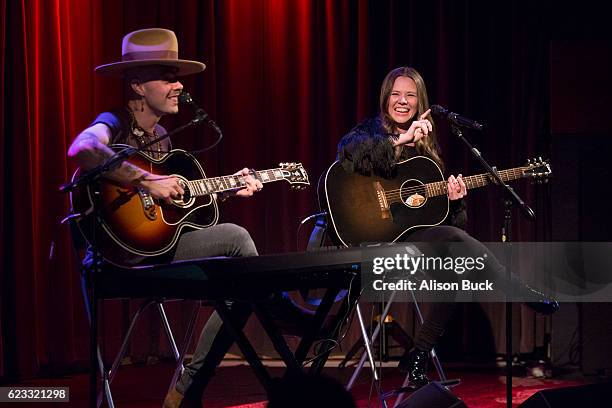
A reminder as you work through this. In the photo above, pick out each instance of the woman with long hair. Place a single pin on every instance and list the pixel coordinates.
(405, 129)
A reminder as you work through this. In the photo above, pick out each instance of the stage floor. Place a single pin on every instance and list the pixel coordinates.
(236, 386)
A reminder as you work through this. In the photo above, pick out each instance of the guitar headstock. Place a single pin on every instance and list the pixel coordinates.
(295, 174)
(538, 170)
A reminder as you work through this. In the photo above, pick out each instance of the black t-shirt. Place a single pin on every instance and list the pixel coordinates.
(124, 130)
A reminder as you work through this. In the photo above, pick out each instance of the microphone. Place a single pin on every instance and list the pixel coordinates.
(455, 118)
(185, 99)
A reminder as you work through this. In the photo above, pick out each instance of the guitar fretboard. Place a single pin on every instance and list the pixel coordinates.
(478, 180)
(224, 183)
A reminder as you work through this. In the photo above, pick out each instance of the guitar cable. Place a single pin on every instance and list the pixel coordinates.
(310, 217)
(305, 220)
(348, 317)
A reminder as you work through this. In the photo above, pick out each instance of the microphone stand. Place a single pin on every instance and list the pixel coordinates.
(511, 198)
(85, 178)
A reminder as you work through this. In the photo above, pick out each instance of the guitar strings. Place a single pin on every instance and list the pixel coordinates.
(222, 183)
(437, 186)
(392, 194)
(423, 189)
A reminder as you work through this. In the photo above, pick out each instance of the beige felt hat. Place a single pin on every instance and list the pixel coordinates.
(150, 46)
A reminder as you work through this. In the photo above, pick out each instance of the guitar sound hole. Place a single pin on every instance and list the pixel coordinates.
(186, 199)
(186, 194)
(413, 193)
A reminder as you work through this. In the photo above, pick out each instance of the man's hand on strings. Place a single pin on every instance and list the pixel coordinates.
(164, 188)
(252, 185)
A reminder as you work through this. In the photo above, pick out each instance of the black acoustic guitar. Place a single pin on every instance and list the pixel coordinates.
(375, 209)
(131, 225)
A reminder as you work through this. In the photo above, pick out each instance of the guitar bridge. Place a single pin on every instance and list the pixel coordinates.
(385, 213)
(148, 204)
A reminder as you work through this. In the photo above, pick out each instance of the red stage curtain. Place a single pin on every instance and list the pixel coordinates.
(284, 80)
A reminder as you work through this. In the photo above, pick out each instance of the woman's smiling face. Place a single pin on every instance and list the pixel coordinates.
(403, 101)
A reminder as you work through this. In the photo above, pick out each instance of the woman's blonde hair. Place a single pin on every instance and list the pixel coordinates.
(427, 146)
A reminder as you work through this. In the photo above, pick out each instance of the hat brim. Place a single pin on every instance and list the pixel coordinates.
(116, 69)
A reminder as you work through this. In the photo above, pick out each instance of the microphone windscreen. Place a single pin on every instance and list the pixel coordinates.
(185, 98)
(438, 110)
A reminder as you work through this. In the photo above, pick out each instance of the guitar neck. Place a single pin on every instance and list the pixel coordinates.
(476, 181)
(224, 183)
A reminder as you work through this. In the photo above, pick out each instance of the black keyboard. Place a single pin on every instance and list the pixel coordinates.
(239, 278)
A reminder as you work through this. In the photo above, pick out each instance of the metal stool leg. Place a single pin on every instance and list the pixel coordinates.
(366, 342)
(368, 353)
(107, 375)
(164, 319)
(180, 357)
(105, 391)
(365, 354)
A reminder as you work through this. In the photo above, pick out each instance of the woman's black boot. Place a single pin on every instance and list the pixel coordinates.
(539, 302)
(414, 362)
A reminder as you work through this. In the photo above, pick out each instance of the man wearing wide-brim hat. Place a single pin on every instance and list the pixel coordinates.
(151, 67)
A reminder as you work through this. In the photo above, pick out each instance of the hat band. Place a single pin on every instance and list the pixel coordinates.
(152, 55)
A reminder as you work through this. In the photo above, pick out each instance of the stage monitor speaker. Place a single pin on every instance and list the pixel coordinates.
(433, 395)
(592, 396)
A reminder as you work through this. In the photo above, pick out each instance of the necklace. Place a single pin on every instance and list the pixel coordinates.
(143, 137)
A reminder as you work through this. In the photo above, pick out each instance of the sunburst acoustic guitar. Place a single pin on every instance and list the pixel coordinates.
(129, 224)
